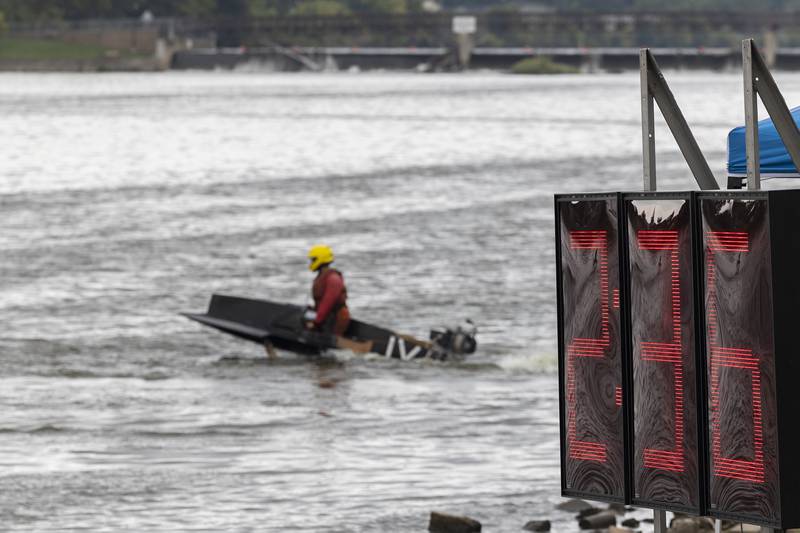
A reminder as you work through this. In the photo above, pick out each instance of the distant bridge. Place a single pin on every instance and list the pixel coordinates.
(591, 40)
(581, 29)
(587, 59)
(522, 29)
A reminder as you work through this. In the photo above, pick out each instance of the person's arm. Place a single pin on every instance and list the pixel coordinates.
(334, 286)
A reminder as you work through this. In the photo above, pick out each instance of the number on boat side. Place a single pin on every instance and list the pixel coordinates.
(397, 345)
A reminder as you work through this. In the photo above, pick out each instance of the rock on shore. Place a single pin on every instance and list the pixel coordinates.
(537, 525)
(445, 523)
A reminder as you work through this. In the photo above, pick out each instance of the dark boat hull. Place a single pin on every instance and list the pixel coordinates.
(281, 325)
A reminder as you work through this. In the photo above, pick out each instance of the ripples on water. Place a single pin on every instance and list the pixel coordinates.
(128, 198)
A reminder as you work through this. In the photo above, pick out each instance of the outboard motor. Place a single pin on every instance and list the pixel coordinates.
(453, 343)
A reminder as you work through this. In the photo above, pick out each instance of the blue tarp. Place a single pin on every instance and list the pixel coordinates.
(774, 159)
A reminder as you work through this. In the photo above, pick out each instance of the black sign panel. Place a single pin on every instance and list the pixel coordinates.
(744, 470)
(666, 468)
(709, 424)
(590, 347)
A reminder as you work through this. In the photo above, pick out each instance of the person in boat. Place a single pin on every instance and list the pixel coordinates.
(330, 313)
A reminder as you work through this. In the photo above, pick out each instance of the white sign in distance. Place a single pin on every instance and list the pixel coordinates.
(465, 24)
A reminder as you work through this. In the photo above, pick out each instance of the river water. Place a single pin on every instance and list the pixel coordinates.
(126, 199)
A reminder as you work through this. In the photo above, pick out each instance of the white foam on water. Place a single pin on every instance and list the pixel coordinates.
(533, 363)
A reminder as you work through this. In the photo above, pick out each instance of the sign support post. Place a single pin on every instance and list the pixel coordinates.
(750, 118)
(758, 81)
(648, 127)
(649, 161)
(654, 87)
(659, 521)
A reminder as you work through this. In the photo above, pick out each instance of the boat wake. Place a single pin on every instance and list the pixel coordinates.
(540, 363)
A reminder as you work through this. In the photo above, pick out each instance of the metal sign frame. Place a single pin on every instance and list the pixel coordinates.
(757, 81)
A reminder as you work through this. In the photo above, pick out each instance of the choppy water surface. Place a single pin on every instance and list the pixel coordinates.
(128, 198)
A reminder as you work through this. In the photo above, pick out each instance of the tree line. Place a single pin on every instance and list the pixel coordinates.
(622, 5)
(37, 10)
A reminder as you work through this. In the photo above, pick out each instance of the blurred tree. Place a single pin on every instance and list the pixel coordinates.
(626, 4)
(30, 10)
(379, 6)
(320, 8)
(83, 9)
(271, 8)
(232, 22)
(177, 8)
(33, 10)
(198, 7)
(233, 8)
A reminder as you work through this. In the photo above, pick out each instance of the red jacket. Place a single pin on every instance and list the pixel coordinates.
(329, 293)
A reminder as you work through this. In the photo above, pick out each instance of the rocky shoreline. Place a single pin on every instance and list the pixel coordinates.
(608, 519)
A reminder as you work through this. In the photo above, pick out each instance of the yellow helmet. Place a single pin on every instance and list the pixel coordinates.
(319, 255)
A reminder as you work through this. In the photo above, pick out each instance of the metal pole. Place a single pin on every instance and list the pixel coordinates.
(659, 521)
(649, 183)
(655, 89)
(648, 125)
(750, 118)
(759, 82)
